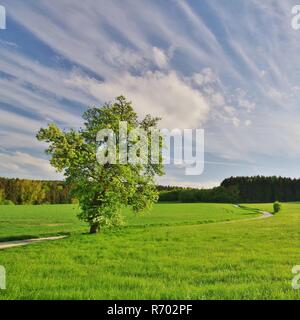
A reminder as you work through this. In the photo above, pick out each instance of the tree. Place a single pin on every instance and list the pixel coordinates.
(30, 192)
(276, 207)
(2, 196)
(102, 189)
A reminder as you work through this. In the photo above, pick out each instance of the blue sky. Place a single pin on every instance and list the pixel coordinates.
(230, 67)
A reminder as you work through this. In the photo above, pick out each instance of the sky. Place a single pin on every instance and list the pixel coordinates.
(230, 67)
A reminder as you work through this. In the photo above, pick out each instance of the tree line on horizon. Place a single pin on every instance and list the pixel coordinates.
(25, 191)
(255, 189)
(34, 192)
(232, 190)
(191, 195)
(264, 189)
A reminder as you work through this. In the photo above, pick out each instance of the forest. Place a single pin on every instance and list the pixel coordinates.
(257, 189)
(23, 191)
(264, 189)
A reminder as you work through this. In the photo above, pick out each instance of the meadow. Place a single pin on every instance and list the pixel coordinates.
(177, 251)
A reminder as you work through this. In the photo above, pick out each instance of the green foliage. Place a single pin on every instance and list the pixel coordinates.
(74, 201)
(102, 190)
(188, 195)
(259, 189)
(31, 192)
(276, 207)
(2, 195)
(3, 201)
(169, 196)
(7, 203)
(24, 191)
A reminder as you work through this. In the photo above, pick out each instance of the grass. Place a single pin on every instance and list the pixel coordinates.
(177, 252)
(23, 222)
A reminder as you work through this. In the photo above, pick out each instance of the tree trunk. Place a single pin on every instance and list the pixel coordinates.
(95, 228)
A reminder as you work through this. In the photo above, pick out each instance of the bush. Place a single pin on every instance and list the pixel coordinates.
(276, 207)
(74, 201)
(7, 203)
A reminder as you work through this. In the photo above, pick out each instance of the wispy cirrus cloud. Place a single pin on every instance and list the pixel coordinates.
(19, 164)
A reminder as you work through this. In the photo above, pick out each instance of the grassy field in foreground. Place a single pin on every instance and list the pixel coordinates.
(159, 258)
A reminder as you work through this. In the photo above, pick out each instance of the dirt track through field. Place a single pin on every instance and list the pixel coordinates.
(265, 215)
(18, 243)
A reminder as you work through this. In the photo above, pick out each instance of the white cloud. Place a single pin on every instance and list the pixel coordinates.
(230, 110)
(246, 104)
(248, 123)
(160, 58)
(23, 165)
(217, 99)
(47, 79)
(175, 181)
(47, 107)
(275, 94)
(166, 95)
(205, 77)
(236, 121)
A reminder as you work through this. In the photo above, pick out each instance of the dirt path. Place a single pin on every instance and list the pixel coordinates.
(18, 243)
(265, 214)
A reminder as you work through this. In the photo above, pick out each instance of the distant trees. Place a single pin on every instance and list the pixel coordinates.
(264, 189)
(239, 189)
(189, 195)
(30, 192)
(3, 201)
(232, 190)
(2, 196)
(23, 191)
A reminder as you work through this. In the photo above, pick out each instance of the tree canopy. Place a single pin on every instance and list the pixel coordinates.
(104, 188)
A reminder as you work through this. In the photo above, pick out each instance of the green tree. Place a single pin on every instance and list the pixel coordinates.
(30, 191)
(276, 207)
(103, 189)
(2, 195)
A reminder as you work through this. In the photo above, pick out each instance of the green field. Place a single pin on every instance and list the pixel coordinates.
(18, 222)
(178, 251)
